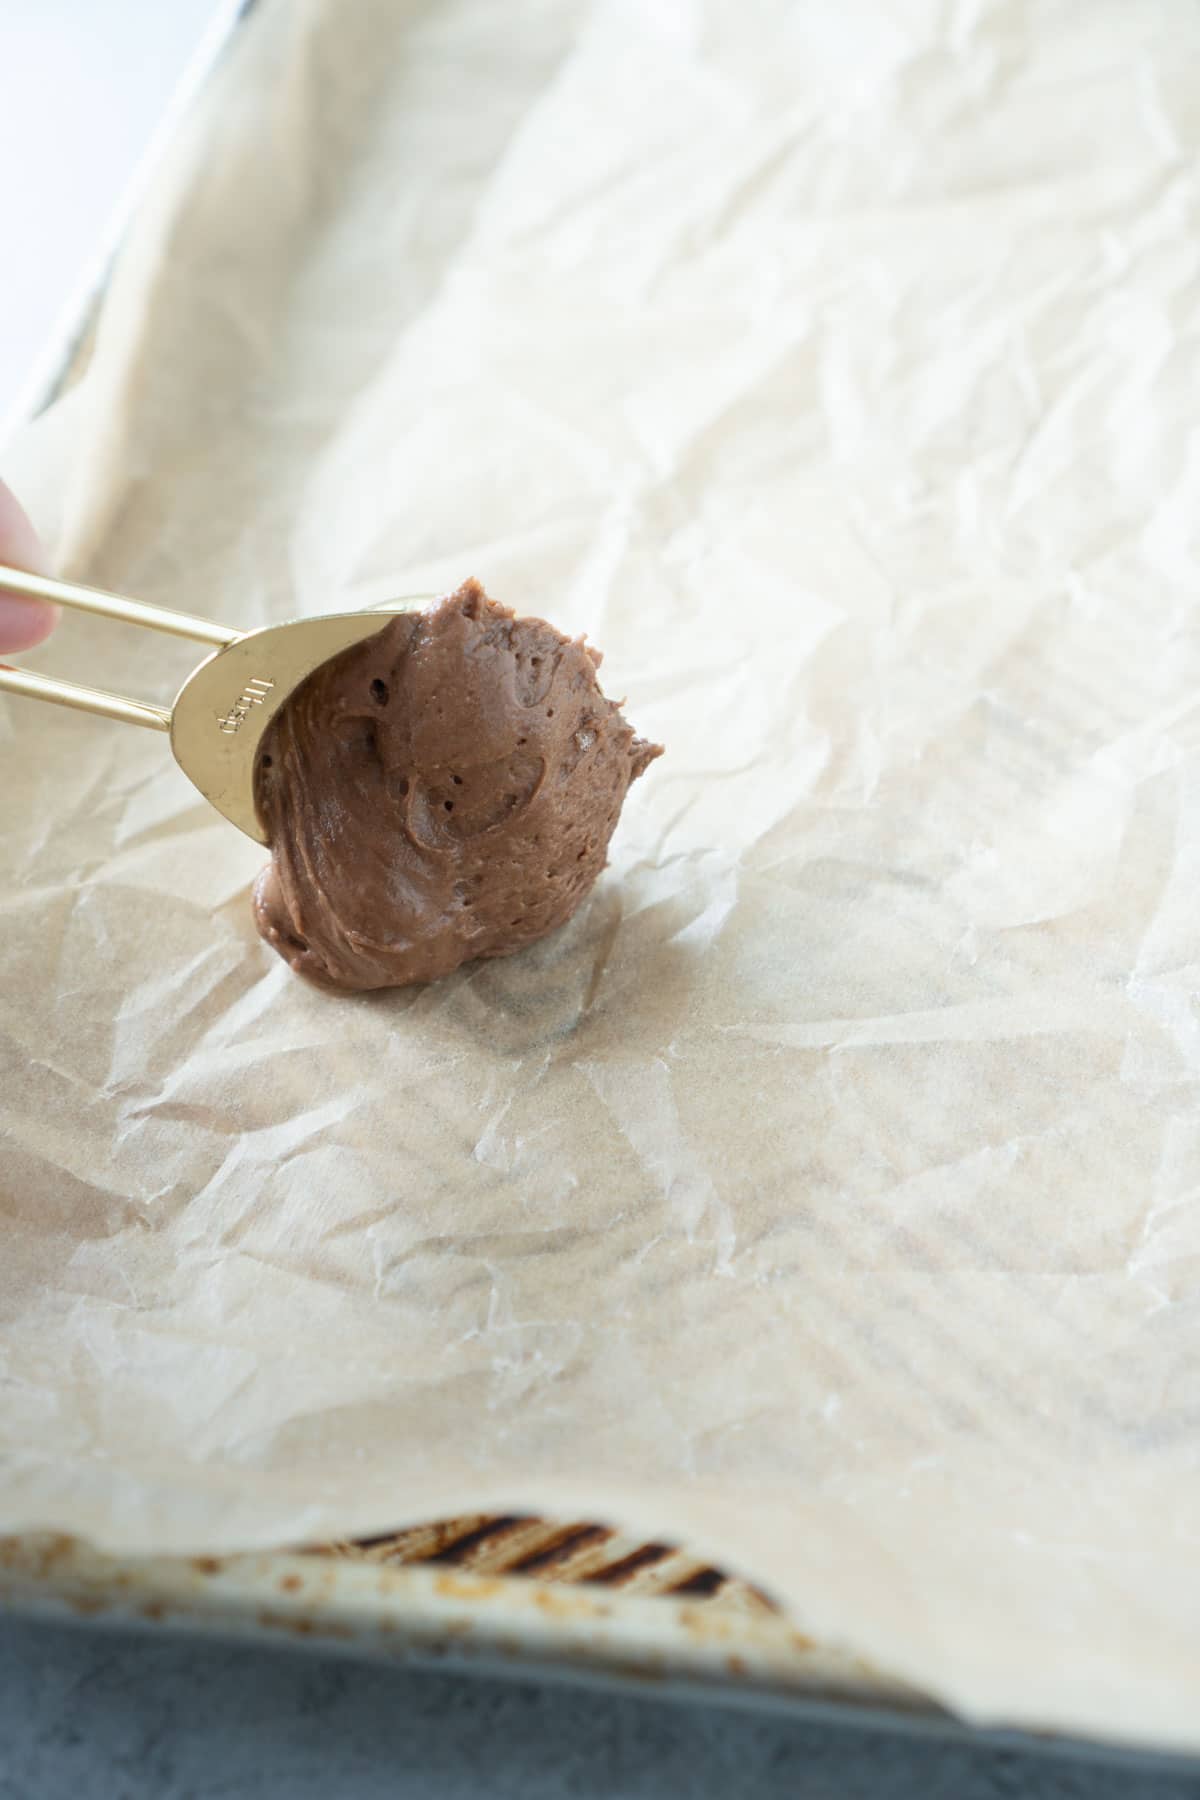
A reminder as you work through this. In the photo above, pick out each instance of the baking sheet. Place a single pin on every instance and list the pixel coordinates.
(825, 1194)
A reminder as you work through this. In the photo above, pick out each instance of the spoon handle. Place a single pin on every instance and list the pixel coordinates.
(83, 699)
(115, 606)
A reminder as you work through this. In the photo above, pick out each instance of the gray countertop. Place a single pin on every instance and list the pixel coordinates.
(85, 1713)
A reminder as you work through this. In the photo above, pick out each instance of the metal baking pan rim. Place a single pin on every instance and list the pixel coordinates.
(453, 1618)
(507, 1626)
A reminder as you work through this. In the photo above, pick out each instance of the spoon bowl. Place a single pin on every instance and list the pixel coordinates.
(223, 709)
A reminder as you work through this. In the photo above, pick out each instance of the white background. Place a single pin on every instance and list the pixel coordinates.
(83, 86)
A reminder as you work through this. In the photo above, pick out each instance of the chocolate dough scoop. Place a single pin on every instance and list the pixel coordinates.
(444, 790)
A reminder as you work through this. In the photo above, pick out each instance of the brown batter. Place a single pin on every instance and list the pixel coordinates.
(445, 790)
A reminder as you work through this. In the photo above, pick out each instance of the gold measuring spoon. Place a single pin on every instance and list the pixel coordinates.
(221, 712)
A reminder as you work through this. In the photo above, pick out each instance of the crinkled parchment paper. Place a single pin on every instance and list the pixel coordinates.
(828, 1193)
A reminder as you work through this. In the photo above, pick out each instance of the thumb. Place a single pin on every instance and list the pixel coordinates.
(23, 623)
